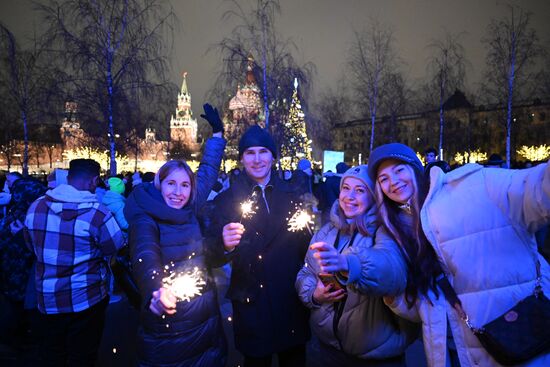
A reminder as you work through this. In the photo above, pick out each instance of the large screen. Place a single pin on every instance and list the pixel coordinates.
(330, 159)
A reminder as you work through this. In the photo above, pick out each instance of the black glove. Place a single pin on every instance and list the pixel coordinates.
(212, 116)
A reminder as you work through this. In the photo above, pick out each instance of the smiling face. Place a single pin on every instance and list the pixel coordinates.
(354, 197)
(176, 188)
(397, 180)
(257, 162)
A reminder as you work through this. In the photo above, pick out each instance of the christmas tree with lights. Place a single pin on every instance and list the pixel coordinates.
(296, 144)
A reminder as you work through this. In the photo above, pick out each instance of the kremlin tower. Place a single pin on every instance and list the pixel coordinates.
(183, 127)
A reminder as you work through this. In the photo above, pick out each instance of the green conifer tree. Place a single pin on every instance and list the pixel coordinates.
(295, 145)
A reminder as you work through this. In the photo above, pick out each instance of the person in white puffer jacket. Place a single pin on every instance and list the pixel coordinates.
(476, 226)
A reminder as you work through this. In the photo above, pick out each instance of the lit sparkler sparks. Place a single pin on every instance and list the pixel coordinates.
(300, 219)
(248, 207)
(185, 285)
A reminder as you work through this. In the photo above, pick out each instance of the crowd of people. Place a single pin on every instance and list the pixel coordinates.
(366, 283)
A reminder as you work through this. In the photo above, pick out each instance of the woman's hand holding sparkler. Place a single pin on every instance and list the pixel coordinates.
(328, 258)
(232, 234)
(163, 302)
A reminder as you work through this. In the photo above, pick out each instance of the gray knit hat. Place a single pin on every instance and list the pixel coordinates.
(397, 151)
(360, 173)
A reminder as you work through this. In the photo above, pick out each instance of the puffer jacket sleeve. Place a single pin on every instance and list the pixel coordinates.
(399, 306)
(306, 280)
(117, 208)
(207, 174)
(523, 194)
(145, 256)
(378, 270)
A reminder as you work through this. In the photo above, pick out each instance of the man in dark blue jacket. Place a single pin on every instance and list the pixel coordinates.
(268, 317)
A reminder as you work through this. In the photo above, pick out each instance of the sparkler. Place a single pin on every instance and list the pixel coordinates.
(300, 219)
(248, 207)
(185, 285)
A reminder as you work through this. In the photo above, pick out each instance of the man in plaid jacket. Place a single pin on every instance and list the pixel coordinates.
(71, 234)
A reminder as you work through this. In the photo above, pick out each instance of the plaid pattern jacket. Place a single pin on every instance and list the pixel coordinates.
(71, 233)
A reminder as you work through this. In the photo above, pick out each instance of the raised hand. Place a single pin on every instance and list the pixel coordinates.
(213, 117)
(328, 258)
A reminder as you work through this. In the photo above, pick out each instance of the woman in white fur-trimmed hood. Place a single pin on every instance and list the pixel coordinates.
(476, 226)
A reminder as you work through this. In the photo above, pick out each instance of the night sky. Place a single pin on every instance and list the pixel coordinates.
(322, 30)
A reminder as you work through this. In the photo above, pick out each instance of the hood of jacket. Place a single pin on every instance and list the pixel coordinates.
(146, 199)
(68, 202)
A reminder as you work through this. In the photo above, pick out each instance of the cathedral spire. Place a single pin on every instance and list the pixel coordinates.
(250, 79)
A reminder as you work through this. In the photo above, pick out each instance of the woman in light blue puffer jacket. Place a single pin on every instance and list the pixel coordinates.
(353, 325)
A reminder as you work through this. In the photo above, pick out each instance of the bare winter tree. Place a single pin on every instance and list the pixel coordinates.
(113, 50)
(275, 66)
(447, 68)
(542, 85)
(545, 84)
(512, 50)
(28, 80)
(371, 56)
(396, 98)
(334, 106)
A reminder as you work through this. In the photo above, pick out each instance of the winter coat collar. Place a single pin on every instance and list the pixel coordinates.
(244, 185)
(146, 199)
(439, 178)
(280, 193)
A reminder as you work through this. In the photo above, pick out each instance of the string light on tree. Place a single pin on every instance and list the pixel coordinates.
(470, 157)
(535, 153)
(296, 145)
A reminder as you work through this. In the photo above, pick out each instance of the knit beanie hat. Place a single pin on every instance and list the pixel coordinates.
(397, 151)
(303, 164)
(360, 173)
(116, 185)
(255, 136)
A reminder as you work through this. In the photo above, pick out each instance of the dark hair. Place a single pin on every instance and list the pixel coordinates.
(430, 150)
(172, 166)
(14, 173)
(422, 262)
(148, 177)
(82, 167)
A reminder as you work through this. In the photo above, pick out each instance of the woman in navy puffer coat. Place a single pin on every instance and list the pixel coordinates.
(164, 235)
